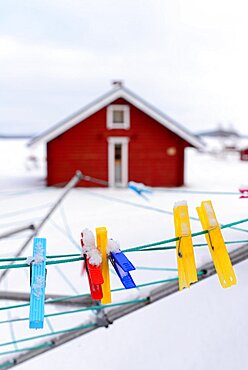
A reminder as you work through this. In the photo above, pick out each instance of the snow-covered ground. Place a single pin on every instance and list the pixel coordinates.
(200, 328)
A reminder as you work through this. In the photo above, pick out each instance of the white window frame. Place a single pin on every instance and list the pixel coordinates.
(110, 124)
(111, 160)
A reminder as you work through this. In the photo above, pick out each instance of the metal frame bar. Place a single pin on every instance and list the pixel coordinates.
(85, 301)
(17, 231)
(73, 182)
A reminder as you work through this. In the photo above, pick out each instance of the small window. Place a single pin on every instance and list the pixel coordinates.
(118, 117)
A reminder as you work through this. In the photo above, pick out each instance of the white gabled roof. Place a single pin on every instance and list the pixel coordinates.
(116, 93)
(242, 144)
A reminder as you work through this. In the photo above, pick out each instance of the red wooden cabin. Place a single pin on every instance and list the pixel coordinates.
(244, 154)
(118, 138)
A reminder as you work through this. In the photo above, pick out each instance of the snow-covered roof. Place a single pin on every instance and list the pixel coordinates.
(243, 144)
(118, 92)
(220, 133)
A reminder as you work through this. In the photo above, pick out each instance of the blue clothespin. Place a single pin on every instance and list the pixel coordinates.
(38, 283)
(122, 266)
(139, 189)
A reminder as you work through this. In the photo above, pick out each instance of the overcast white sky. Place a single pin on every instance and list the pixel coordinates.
(187, 57)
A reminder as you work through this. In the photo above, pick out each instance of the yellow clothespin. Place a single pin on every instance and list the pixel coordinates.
(187, 273)
(216, 244)
(102, 240)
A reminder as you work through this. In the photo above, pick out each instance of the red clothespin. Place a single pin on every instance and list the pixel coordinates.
(93, 260)
(244, 191)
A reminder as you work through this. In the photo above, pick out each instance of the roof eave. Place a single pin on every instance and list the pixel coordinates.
(108, 98)
(75, 118)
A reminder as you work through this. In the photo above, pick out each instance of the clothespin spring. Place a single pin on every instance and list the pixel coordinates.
(180, 255)
(31, 272)
(179, 247)
(210, 239)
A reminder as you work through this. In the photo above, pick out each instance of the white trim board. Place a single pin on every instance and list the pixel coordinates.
(108, 99)
(111, 160)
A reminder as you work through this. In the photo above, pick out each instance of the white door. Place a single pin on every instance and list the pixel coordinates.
(118, 161)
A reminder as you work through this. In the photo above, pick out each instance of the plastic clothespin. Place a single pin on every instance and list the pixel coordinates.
(38, 283)
(121, 264)
(244, 191)
(92, 264)
(102, 240)
(139, 189)
(187, 273)
(216, 244)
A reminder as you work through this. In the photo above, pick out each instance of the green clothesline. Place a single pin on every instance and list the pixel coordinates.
(74, 328)
(92, 308)
(177, 238)
(134, 249)
(21, 265)
(75, 257)
(9, 259)
(148, 268)
(8, 363)
(54, 300)
(169, 247)
(48, 335)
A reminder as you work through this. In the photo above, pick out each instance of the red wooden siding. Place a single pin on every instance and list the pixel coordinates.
(85, 147)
